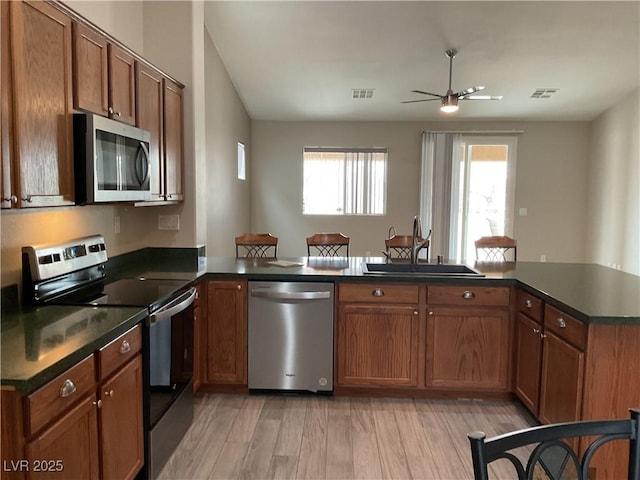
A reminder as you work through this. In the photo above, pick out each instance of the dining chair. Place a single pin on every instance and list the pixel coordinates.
(328, 245)
(553, 455)
(256, 245)
(399, 246)
(496, 249)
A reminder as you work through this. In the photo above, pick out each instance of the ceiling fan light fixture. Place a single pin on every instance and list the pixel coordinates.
(449, 104)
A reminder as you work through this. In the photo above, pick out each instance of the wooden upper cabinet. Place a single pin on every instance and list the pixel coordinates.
(43, 105)
(90, 70)
(103, 76)
(8, 198)
(122, 85)
(149, 116)
(173, 140)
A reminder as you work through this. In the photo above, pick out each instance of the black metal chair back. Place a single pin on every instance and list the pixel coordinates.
(554, 456)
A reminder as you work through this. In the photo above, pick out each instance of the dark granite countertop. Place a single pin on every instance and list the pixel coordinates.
(40, 343)
(592, 293)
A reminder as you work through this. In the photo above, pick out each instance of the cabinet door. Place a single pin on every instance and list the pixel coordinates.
(528, 362)
(227, 332)
(121, 85)
(377, 345)
(90, 70)
(173, 140)
(72, 441)
(6, 200)
(467, 348)
(121, 428)
(561, 381)
(43, 104)
(149, 108)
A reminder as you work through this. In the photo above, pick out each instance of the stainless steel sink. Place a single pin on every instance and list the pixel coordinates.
(421, 269)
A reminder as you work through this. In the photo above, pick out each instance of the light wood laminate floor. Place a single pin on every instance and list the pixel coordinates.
(317, 437)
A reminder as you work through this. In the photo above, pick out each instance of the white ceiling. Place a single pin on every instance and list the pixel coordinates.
(300, 60)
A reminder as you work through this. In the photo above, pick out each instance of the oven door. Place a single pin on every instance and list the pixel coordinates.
(171, 342)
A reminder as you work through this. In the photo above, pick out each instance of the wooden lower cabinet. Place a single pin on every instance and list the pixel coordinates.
(69, 447)
(76, 427)
(528, 344)
(561, 381)
(226, 332)
(467, 348)
(121, 425)
(377, 345)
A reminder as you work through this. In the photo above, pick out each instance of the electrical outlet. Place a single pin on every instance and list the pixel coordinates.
(543, 258)
(168, 222)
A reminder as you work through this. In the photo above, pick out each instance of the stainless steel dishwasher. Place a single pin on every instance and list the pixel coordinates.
(290, 336)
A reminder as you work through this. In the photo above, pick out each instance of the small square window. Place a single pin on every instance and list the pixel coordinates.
(242, 174)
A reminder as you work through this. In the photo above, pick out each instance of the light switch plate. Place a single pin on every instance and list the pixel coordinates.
(168, 222)
(522, 212)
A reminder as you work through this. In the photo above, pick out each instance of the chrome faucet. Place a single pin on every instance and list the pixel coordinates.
(418, 243)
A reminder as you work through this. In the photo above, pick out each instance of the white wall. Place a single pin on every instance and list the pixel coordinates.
(227, 123)
(614, 187)
(551, 183)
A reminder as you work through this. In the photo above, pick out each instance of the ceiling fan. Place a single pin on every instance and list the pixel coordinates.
(450, 99)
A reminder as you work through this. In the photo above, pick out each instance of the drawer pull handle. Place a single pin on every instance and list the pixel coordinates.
(468, 295)
(528, 303)
(561, 322)
(378, 292)
(67, 388)
(125, 347)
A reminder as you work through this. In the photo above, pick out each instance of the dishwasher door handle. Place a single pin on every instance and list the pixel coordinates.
(321, 295)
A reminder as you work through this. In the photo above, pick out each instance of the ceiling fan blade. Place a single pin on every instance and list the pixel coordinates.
(469, 91)
(427, 93)
(481, 97)
(424, 100)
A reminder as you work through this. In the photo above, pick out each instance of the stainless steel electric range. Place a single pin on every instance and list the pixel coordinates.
(73, 273)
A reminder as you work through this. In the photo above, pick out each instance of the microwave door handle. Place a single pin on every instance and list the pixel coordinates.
(145, 153)
(142, 149)
(177, 306)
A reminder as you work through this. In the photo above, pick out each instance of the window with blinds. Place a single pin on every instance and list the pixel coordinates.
(344, 181)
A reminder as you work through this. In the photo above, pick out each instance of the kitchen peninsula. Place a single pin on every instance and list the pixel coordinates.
(562, 337)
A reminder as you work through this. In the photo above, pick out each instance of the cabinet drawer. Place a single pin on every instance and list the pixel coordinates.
(565, 326)
(530, 305)
(49, 401)
(378, 293)
(467, 295)
(119, 351)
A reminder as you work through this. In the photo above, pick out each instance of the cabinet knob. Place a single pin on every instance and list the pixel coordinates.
(528, 303)
(430, 312)
(27, 199)
(468, 295)
(98, 403)
(13, 199)
(109, 393)
(536, 330)
(125, 347)
(378, 292)
(239, 287)
(561, 322)
(415, 312)
(67, 388)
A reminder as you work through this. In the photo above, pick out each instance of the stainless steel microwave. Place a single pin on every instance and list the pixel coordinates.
(112, 162)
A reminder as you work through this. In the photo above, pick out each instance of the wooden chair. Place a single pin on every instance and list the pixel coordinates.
(257, 245)
(399, 246)
(328, 245)
(553, 457)
(495, 249)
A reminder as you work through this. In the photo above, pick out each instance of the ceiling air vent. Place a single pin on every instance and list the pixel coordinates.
(543, 92)
(362, 93)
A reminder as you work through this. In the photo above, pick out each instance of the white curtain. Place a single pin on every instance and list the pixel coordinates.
(439, 191)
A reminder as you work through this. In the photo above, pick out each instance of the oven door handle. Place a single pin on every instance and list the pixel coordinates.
(176, 306)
